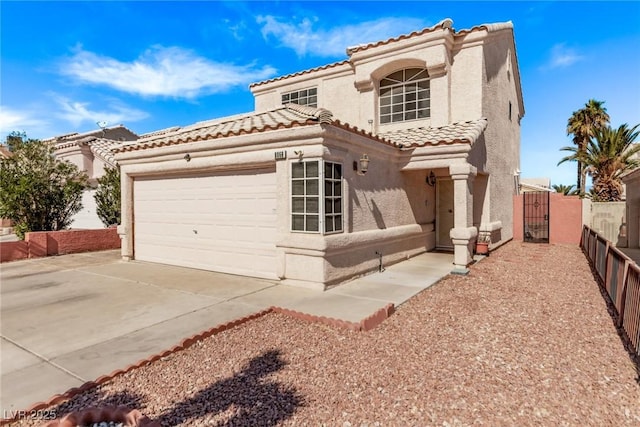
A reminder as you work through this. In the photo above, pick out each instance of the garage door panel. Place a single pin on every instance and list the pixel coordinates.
(221, 223)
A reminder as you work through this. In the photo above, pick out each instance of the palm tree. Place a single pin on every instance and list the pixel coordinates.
(582, 125)
(608, 154)
(567, 190)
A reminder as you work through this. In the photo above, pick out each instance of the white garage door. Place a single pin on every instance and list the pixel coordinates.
(225, 222)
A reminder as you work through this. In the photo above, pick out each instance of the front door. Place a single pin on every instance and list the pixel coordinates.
(444, 213)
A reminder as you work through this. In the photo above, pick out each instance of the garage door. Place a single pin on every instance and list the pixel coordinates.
(225, 222)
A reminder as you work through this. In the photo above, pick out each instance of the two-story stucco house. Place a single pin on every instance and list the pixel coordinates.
(91, 152)
(409, 145)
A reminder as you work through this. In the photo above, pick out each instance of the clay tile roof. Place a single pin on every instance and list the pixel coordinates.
(460, 132)
(104, 149)
(288, 116)
(159, 132)
(488, 27)
(445, 23)
(75, 136)
(311, 70)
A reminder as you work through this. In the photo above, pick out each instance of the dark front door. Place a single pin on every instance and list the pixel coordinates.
(536, 217)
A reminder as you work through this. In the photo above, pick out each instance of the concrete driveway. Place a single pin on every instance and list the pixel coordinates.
(70, 319)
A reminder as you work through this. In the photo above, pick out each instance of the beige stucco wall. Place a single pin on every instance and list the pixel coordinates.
(79, 155)
(462, 70)
(466, 83)
(386, 211)
(84, 159)
(350, 90)
(472, 75)
(87, 217)
(609, 219)
(501, 156)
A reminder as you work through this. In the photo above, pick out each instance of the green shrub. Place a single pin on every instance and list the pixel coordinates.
(108, 197)
(37, 191)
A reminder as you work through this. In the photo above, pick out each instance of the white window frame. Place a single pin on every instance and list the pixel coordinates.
(408, 89)
(322, 198)
(302, 95)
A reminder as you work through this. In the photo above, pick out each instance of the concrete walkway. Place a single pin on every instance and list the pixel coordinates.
(70, 319)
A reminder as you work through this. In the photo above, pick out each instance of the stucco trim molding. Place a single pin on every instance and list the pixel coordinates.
(437, 70)
(364, 85)
(462, 171)
(318, 245)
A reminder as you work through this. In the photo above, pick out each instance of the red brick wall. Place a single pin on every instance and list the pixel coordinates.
(47, 243)
(12, 251)
(565, 218)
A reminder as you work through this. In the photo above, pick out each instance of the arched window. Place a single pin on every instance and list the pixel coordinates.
(405, 95)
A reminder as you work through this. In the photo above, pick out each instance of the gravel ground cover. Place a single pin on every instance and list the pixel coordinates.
(524, 339)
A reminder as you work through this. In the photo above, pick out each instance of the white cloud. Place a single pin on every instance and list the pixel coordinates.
(303, 39)
(46, 119)
(22, 121)
(162, 71)
(11, 120)
(78, 113)
(562, 56)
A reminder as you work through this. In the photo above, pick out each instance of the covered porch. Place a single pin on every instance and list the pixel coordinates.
(462, 202)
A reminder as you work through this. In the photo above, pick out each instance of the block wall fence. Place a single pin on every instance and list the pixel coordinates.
(48, 243)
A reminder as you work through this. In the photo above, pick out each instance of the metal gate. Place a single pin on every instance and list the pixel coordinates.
(536, 216)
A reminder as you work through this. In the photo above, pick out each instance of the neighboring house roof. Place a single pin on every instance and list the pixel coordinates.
(538, 182)
(4, 152)
(102, 148)
(459, 132)
(105, 148)
(533, 187)
(118, 132)
(101, 142)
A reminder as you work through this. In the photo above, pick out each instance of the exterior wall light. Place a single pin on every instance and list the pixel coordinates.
(431, 179)
(363, 165)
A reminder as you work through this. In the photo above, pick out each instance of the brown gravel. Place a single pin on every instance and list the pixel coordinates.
(525, 339)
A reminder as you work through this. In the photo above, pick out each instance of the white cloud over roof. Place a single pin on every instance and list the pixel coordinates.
(304, 39)
(162, 71)
(77, 113)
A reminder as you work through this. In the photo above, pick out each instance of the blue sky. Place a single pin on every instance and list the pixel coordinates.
(151, 65)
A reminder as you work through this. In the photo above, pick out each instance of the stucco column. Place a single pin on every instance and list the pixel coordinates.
(463, 234)
(125, 229)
